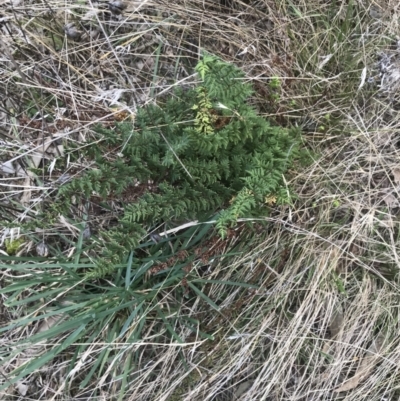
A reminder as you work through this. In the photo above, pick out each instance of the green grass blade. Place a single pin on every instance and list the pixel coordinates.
(203, 296)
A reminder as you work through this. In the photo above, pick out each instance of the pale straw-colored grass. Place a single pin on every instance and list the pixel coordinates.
(321, 322)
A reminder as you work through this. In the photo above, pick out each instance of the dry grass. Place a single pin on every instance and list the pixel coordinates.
(322, 323)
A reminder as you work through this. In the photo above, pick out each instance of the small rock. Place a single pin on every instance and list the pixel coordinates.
(116, 6)
(42, 249)
(72, 32)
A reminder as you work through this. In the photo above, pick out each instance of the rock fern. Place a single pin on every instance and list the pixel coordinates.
(204, 150)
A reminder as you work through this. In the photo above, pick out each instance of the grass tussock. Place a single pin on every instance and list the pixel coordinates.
(299, 305)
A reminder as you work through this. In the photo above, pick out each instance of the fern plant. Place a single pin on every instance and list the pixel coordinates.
(203, 150)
